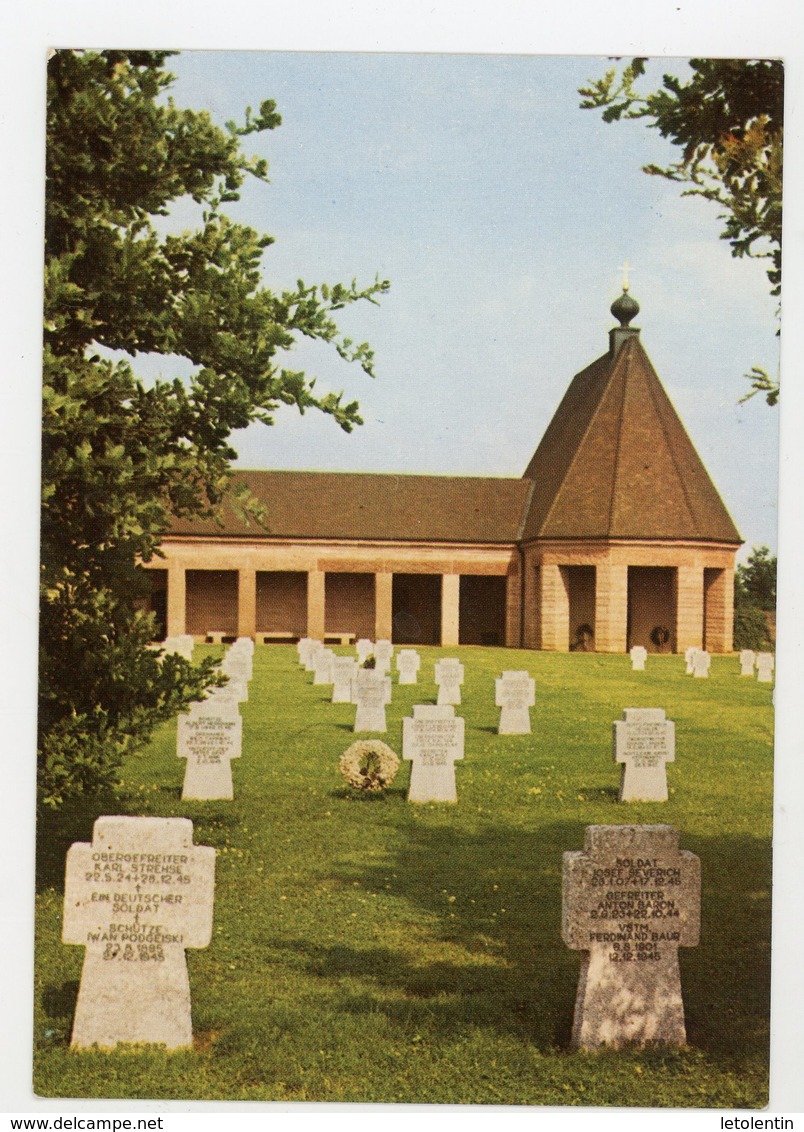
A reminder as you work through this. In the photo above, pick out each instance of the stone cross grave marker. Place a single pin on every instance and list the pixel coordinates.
(383, 655)
(311, 654)
(449, 677)
(432, 739)
(219, 701)
(701, 663)
(237, 688)
(747, 661)
(639, 654)
(515, 696)
(135, 898)
(765, 667)
(689, 657)
(630, 900)
(372, 691)
(408, 663)
(324, 659)
(238, 665)
(343, 671)
(182, 645)
(644, 742)
(364, 648)
(209, 740)
(303, 648)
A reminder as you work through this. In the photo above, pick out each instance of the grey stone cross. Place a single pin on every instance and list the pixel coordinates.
(135, 898)
(630, 900)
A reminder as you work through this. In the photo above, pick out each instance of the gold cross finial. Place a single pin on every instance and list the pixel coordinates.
(625, 275)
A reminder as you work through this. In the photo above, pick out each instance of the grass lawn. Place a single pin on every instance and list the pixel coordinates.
(366, 949)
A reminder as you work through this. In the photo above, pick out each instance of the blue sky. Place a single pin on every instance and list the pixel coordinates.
(502, 213)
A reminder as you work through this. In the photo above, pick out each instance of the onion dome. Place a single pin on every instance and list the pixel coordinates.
(625, 308)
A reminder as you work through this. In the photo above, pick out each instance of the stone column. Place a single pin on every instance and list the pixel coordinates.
(316, 604)
(689, 608)
(553, 608)
(531, 583)
(176, 601)
(450, 609)
(611, 607)
(383, 606)
(719, 625)
(513, 591)
(246, 602)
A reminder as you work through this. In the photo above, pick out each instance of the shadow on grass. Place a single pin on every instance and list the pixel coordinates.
(601, 793)
(55, 833)
(495, 894)
(58, 1004)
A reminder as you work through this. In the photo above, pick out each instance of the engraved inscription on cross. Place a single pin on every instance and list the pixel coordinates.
(371, 691)
(644, 742)
(135, 898)
(630, 900)
(515, 696)
(209, 742)
(408, 663)
(343, 671)
(449, 677)
(433, 739)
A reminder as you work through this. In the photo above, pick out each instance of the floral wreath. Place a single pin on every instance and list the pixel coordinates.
(369, 764)
(660, 635)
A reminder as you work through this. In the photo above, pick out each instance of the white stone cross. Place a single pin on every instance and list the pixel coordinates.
(135, 898)
(701, 663)
(765, 667)
(343, 671)
(182, 645)
(630, 900)
(324, 660)
(304, 646)
(515, 696)
(644, 742)
(219, 702)
(371, 693)
(364, 648)
(747, 661)
(408, 663)
(639, 654)
(310, 655)
(383, 655)
(209, 741)
(432, 739)
(365, 676)
(237, 664)
(237, 688)
(449, 677)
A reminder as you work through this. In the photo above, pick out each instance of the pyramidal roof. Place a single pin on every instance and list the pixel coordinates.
(616, 461)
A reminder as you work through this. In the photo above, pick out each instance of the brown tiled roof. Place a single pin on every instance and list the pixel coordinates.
(616, 462)
(351, 505)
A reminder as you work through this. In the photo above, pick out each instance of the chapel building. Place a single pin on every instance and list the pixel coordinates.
(614, 536)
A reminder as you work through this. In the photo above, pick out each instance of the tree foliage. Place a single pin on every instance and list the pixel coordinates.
(121, 455)
(727, 120)
(754, 597)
